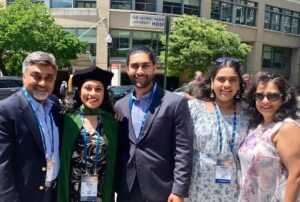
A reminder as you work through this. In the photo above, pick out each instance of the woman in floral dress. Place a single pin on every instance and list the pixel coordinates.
(219, 128)
(270, 154)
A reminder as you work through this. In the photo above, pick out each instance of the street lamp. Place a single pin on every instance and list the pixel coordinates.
(108, 40)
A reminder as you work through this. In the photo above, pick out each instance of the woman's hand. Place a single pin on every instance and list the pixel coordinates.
(118, 116)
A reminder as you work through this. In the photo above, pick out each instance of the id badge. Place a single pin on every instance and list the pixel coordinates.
(49, 173)
(89, 185)
(224, 171)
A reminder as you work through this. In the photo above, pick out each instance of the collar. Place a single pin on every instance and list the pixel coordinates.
(148, 95)
(46, 106)
(87, 111)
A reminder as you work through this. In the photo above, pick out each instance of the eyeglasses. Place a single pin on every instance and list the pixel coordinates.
(225, 59)
(272, 97)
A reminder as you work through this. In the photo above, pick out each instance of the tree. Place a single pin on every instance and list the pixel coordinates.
(26, 27)
(195, 43)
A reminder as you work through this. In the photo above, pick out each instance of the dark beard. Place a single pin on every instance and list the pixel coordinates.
(144, 85)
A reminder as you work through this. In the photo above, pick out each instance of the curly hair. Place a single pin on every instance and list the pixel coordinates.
(204, 90)
(289, 105)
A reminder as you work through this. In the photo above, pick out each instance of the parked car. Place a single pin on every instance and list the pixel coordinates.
(9, 85)
(180, 90)
(118, 92)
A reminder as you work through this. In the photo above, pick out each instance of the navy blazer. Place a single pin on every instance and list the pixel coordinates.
(22, 157)
(161, 158)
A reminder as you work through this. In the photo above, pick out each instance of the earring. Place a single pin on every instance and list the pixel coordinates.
(212, 95)
(237, 95)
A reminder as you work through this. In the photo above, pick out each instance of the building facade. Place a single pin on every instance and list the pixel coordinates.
(271, 27)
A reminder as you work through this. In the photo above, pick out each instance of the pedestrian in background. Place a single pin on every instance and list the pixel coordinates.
(247, 82)
(29, 134)
(193, 87)
(89, 141)
(155, 141)
(270, 154)
(63, 88)
(220, 126)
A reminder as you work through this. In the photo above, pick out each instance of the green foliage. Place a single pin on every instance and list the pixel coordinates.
(196, 43)
(26, 27)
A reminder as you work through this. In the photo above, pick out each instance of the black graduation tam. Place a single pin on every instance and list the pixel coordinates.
(92, 73)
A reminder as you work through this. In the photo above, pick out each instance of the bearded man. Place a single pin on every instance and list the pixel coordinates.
(29, 134)
(155, 140)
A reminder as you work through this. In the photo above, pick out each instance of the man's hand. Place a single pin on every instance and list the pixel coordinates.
(175, 198)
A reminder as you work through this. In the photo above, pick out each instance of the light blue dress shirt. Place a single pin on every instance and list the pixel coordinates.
(139, 109)
(45, 117)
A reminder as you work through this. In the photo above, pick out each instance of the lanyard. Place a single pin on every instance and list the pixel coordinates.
(51, 139)
(218, 115)
(148, 107)
(98, 150)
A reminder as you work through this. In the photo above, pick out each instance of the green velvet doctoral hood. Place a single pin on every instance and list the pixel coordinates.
(72, 126)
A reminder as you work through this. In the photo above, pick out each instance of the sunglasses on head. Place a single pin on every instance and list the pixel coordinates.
(225, 59)
(272, 97)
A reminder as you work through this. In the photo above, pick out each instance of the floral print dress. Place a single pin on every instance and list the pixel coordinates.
(263, 173)
(78, 165)
(203, 187)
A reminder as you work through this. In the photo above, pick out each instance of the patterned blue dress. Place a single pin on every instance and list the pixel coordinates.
(203, 187)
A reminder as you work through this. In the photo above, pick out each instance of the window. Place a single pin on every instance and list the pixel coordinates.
(295, 23)
(276, 59)
(61, 3)
(120, 43)
(145, 5)
(172, 6)
(192, 7)
(85, 4)
(90, 37)
(121, 4)
(236, 11)
(189, 7)
(226, 12)
(281, 20)
(123, 40)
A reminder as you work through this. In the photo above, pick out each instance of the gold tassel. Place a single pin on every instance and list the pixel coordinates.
(70, 87)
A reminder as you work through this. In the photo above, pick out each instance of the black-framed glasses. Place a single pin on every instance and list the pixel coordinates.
(272, 97)
(225, 59)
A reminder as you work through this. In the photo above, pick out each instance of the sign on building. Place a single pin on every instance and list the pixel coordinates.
(116, 69)
(147, 21)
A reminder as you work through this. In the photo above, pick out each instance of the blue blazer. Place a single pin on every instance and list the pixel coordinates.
(161, 158)
(22, 157)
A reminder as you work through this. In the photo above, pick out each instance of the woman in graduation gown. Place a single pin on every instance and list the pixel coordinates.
(89, 141)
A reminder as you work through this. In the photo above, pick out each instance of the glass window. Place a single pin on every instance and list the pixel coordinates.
(121, 4)
(120, 43)
(123, 40)
(286, 24)
(145, 5)
(61, 3)
(240, 15)
(85, 4)
(238, 12)
(267, 56)
(226, 12)
(192, 7)
(90, 37)
(295, 26)
(275, 24)
(172, 6)
(277, 59)
(215, 9)
(267, 20)
(141, 38)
